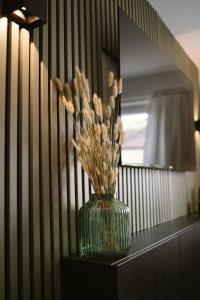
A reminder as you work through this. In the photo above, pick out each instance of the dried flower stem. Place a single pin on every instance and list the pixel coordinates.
(97, 134)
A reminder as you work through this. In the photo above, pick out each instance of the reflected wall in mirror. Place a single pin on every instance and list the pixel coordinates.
(156, 104)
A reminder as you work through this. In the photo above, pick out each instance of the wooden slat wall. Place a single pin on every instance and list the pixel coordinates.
(11, 189)
(3, 62)
(42, 186)
(23, 166)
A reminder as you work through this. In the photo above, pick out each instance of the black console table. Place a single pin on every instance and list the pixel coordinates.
(164, 263)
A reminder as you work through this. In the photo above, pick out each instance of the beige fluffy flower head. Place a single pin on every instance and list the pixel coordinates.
(98, 131)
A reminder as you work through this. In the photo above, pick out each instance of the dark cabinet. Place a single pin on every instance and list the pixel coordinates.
(136, 279)
(161, 266)
(83, 280)
(168, 271)
(190, 263)
(153, 275)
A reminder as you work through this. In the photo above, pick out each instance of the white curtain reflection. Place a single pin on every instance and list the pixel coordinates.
(170, 130)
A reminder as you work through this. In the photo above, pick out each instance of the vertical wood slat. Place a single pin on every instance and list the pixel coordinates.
(145, 200)
(124, 184)
(68, 75)
(62, 135)
(23, 169)
(11, 164)
(154, 195)
(75, 164)
(121, 194)
(44, 168)
(81, 13)
(141, 199)
(103, 25)
(116, 26)
(70, 154)
(3, 61)
(34, 169)
(88, 42)
(54, 190)
(112, 27)
(129, 201)
(152, 205)
(108, 26)
(88, 64)
(150, 198)
(93, 49)
(137, 202)
(99, 47)
(133, 210)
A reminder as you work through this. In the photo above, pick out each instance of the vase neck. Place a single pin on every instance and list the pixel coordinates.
(102, 196)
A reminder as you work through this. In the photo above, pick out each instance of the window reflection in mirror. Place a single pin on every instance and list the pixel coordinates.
(156, 104)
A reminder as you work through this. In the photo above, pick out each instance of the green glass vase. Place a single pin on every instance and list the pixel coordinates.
(104, 227)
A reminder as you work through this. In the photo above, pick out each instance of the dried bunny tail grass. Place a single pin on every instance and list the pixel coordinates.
(83, 81)
(116, 172)
(121, 138)
(59, 84)
(97, 129)
(116, 133)
(97, 171)
(95, 98)
(107, 111)
(116, 148)
(108, 124)
(112, 101)
(102, 190)
(120, 86)
(105, 182)
(110, 79)
(104, 166)
(112, 177)
(87, 91)
(115, 89)
(77, 74)
(100, 138)
(68, 106)
(76, 90)
(114, 155)
(92, 115)
(76, 103)
(118, 123)
(85, 103)
(85, 141)
(87, 117)
(82, 91)
(63, 99)
(68, 92)
(98, 108)
(104, 131)
(76, 146)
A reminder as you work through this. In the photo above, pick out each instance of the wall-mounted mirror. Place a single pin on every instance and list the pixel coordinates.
(156, 104)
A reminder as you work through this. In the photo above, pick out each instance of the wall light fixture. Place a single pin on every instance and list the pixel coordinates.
(197, 125)
(27, 13)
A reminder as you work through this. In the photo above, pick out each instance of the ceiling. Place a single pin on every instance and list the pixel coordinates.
(182, 17)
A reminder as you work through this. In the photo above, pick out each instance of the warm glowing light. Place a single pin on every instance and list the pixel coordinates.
(23, 8)
(20, 14)
(3, 22)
